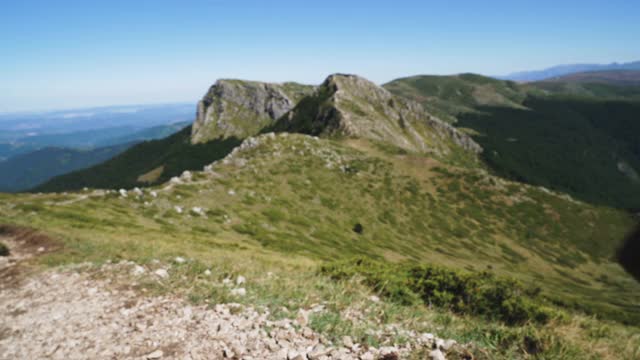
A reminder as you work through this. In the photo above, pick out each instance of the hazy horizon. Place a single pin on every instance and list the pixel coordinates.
(73, 54)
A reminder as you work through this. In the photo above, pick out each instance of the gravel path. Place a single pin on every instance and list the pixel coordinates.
(73, 314)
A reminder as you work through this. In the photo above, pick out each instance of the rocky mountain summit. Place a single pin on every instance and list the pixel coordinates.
(236, 108)
(351, 106)
(342, 106)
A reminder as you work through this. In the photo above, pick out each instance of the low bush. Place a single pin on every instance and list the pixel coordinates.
(4, 250)
(474, 293)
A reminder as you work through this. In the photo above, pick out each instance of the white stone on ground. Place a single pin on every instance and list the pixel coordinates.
(162, 273)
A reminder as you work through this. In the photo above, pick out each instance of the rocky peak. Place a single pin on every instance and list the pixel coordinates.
(349, 105)
(343, 105)
(237, 108)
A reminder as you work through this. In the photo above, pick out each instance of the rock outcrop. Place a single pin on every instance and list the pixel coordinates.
(236, 108)
(343, 106)
(351, 106)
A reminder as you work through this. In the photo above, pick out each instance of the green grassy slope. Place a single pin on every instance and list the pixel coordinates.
(301, 196)
(448, 96)
(283, 204)
(572, 137)
(573, 145)
(158, 159)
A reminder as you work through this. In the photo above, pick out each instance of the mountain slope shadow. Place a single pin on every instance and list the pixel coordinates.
(629, 254)
(148, 163)
(582, 147)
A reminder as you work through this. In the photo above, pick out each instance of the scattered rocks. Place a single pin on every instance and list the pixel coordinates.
(123, 193)
(138, 270)
(367, 356)
(186, 176)
(447, 345)
(73, 314)
(161, 273)
(436, 355)
(180, 260)
(347, 342)
(178, 209)
(198, 211)
(155, 355)
(240, 280)
(303, 318)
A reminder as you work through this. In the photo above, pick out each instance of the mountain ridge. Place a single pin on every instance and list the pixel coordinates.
(351, 106)
(581, 131)
(560, 70)
(612, 77)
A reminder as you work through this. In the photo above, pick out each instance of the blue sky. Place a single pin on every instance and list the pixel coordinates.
(64, 54)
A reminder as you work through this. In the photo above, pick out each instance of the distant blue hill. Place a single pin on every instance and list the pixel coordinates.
(35, 163)
(25, 171)
(561, 70)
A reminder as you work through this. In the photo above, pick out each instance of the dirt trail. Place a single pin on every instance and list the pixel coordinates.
(84, 312)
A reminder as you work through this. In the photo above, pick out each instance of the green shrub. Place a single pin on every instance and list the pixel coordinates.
(4, 250)
(474, 293)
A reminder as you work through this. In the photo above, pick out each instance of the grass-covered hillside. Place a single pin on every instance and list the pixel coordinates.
(579, 138)
(287, 204)
(448, 96)
(150, 162)
(583, 147)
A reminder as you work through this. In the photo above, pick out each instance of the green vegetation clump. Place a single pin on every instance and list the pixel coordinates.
(4, 250)
(474, 293)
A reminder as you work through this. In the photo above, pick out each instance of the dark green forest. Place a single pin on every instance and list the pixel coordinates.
(570, 144)
(175, 154)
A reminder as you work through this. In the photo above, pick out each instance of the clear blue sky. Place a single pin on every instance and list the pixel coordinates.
(62, 54)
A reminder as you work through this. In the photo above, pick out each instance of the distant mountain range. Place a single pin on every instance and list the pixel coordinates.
(37, 146)
(21, 133)
(612, 77)
(561, 70)
(31, 168)
(28, 170)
